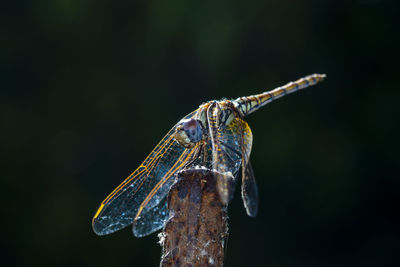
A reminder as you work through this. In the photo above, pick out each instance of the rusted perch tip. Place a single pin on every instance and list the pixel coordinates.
(196, 230)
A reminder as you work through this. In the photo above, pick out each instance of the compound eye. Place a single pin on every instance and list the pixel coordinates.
(193, 130)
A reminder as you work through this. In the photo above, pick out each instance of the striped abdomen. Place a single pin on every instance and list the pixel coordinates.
(249, 104)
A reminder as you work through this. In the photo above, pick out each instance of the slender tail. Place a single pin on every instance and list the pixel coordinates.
(249, 104)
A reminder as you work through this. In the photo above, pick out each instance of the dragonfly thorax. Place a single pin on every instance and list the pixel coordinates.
(189, 132)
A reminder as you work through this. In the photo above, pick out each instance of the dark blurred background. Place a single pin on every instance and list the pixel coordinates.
(88, 88)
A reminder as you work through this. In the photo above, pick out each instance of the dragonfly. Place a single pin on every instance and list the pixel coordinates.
(214, 136)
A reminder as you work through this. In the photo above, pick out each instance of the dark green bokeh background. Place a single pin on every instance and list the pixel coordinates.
(89, 87)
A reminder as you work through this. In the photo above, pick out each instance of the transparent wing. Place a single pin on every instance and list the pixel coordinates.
(249, 185)
(249, 191)
(151, 221)
(119, 209)
(153, 211)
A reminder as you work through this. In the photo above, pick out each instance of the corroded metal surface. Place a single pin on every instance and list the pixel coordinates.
(196, 230)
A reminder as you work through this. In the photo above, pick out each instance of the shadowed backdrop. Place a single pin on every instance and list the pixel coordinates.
(88, 88)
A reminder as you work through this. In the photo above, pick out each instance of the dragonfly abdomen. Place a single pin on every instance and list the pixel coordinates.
(249, 104)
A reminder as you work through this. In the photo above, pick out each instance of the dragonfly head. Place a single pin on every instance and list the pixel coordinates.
(189, 132)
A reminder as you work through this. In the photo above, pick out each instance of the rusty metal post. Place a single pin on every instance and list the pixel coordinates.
(196, 230)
